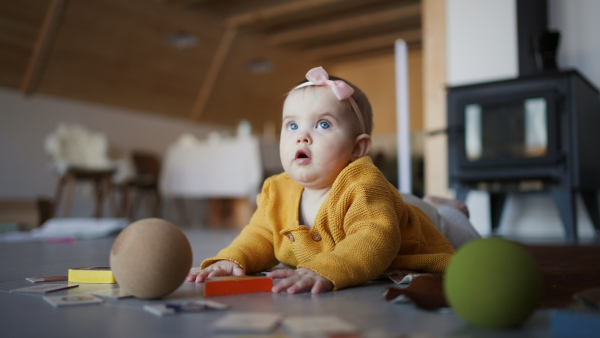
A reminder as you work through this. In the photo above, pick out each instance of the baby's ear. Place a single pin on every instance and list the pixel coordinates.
(362, 145)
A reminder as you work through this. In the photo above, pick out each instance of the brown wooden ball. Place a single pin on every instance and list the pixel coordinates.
(151, 258)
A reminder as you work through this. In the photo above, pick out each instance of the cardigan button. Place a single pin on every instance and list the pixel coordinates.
(316, 237)
(290, 237)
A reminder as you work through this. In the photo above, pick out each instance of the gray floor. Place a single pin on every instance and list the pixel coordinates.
(23, 315)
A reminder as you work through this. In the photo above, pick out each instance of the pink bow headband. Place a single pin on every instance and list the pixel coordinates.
(319, 77)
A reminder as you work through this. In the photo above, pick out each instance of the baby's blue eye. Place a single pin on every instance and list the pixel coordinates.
(293, 126)
(324, 125)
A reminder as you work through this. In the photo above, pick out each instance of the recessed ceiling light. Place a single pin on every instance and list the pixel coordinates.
(182, 40)
(259, 66)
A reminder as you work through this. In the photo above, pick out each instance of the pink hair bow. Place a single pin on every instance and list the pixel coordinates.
(342, 91)
(319, 77)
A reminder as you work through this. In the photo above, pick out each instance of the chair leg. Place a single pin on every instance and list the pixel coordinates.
(58, 196)
(110, 196)
(70, 180)
(124, 205)
(99, 196)
(135, 203)
(156, 212)
(182, 211)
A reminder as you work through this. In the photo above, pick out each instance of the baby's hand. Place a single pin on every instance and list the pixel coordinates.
(299, 280)
(219, 268)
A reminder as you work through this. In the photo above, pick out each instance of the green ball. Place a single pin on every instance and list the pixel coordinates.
(493, 283)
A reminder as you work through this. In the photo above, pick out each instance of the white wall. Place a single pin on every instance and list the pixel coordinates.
(481, 41)
(25, 122)
(579, 26)
(469, 23)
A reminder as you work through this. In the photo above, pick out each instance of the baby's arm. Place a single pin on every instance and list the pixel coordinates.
(219, 268)
(299, 280)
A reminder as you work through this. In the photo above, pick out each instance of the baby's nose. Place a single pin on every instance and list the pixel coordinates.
(303, 138)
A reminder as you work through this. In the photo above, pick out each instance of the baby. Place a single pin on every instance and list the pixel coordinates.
(332, 217)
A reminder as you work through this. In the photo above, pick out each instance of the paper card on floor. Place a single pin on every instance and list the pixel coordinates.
(115, 293)
(171, 308)
(159, 309)
(43, 288)
(247, 322)
(196, 306)
(47, 279)
(72, 300)
(318, 325)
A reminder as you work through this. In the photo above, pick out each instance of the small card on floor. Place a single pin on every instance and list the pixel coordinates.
(47, 279)
(318, 325)
(159, 309)
(115, 293)
(72, 300)
(247, 322)
(171, 308)
(43, 288)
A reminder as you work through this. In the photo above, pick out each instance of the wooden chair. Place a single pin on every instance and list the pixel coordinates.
(144, 185)
(102, 179)
(81, 154)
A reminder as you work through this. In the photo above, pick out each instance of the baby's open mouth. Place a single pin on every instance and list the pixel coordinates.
(301, 154)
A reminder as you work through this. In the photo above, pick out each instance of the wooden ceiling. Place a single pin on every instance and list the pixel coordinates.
(117, 53)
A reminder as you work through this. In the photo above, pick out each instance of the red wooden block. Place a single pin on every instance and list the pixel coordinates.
(229, 285)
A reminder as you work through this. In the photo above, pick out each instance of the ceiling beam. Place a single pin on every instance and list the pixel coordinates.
(364, 45)
(181, 2)
(232, 24)
(346, 24)
(272, 12)
(43, 45)
(213, 72)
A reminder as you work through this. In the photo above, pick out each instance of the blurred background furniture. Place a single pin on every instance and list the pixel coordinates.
(101, 178)
(143, 186)
(228, 172)
(79, 154)
(23, 214)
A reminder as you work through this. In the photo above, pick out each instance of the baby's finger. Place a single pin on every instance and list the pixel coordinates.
(237, 271)
(192, 274)
(218, 273)
(303, 283)
(201, 276)
(281, 273)
(283, 284)
(321, 286)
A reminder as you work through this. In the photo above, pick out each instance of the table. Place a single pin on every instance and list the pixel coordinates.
(218, 168)
(226, 172)
(23, 315)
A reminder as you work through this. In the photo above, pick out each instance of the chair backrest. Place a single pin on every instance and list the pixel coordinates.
(147, 166)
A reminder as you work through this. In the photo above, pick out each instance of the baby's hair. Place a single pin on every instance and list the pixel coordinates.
(361, 101)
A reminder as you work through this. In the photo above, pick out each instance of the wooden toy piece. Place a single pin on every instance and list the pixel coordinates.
(229, 285)
(151, 258)
(93, 274)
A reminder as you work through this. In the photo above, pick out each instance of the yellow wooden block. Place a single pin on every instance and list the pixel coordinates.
(93, 274)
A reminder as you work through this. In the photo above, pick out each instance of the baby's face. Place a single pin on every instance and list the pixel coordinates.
(317, 137)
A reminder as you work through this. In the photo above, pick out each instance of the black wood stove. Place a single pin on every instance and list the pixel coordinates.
(535, 132)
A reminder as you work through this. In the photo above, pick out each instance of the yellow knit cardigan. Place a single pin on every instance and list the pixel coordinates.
(362, 229)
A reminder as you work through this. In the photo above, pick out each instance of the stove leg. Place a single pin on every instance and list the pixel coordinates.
(496, 207)
(590, 199)
(564, 198)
